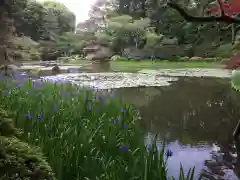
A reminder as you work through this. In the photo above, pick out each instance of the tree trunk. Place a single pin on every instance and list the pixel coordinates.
(5, 30)
(233, 33)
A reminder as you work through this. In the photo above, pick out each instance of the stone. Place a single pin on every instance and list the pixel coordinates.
(196, 58)
(56, 69)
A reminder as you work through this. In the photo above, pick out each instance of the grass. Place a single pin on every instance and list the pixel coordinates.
(83, 135)
(134, 66)
(148, 64)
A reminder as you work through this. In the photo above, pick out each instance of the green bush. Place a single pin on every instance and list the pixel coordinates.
(24, 48)
(83, 134)
(18, 160)
(6, 125)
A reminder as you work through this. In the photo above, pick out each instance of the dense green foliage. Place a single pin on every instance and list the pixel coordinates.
(146, 25)
(157, 25)
(94, 137)
(18, 160)
(43, 23)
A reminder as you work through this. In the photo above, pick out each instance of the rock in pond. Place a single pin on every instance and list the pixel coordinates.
(56, 70)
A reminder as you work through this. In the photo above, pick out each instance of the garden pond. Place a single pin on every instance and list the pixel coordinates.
(194, 116)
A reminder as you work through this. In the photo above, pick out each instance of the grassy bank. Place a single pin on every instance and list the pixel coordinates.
(148, 64)
(83, 135)
(133, 66)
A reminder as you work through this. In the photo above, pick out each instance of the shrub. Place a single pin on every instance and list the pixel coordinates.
(6, 125)
(24, 48)
(18, 160)
(83, 134)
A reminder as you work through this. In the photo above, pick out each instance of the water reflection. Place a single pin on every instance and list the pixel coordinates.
(196, 118)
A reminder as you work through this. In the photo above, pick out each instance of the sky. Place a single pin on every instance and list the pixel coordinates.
(79, 7)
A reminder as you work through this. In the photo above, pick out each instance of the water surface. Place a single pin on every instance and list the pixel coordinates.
(195, 117)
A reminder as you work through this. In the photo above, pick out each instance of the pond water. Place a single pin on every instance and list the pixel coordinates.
(195, 117)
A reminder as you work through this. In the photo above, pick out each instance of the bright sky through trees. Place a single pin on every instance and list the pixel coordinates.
(79, 7)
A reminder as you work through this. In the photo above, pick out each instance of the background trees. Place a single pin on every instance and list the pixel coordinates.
(120, 24)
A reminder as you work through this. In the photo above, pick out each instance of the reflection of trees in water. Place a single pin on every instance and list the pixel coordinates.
(192, 110)
(195, 109)
(139, 97)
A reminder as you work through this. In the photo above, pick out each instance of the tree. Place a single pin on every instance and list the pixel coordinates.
(28, 18)
(6, 31)
(24, 49)
(125, 31)
(167, 21)
(58, 19)
(41, 20)
(70, 43)
(153, 41)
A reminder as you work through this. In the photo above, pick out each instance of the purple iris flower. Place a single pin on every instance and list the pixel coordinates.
(122, 110)
(39, 117)
(168, 153)
(5, 92)
(148, 148)
(90, 107)
(115, 121)
(124, 125)
(28, 116)
(123, 147)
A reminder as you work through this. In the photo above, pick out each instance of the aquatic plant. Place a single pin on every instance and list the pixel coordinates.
(83, 135)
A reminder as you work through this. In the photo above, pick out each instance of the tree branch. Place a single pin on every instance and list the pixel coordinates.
(223, 18)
